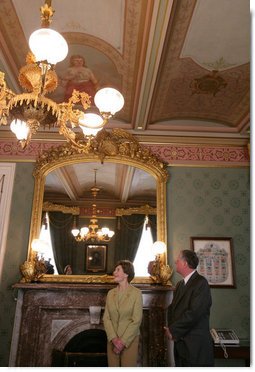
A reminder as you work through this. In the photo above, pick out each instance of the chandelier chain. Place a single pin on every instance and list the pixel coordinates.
(92, 232)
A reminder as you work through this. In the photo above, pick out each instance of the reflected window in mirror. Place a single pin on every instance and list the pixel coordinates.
(46, 250)
(144, 252)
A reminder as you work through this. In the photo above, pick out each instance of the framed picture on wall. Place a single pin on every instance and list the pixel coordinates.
(96, 256)
(216, 261)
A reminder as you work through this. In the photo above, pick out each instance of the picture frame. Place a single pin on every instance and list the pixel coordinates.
(216, 261)
(96, 258)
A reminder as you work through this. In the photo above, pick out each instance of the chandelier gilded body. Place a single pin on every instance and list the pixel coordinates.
(26, 112)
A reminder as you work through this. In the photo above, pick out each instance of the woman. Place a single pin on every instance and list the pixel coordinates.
(68, 270)
(122, 318)
(78, 76)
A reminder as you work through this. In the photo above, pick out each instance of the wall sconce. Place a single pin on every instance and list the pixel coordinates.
(40, 246)
(159, 272)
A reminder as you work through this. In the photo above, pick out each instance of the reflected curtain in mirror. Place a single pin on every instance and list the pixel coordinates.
(128, 235)
(153, 225)
(63, 243)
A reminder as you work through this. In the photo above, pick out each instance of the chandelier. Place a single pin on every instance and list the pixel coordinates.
(92, 232)
(26, 112)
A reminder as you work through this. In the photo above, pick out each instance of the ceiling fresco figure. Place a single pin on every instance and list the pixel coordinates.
(78, 76)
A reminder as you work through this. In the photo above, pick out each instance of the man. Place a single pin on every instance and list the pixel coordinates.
(188, 316)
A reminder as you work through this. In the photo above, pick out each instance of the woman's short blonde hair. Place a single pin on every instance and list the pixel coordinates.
(128, 268)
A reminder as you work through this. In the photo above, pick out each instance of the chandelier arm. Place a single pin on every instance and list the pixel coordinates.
(6, 95)
(66, 114)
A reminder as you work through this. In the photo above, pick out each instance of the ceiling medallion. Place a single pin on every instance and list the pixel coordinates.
(208, 84)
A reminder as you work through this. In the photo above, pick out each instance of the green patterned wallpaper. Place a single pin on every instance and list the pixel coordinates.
(16, 251)
(201, 202)
(214, 202)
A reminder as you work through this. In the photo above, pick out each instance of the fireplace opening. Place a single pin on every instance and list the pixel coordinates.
(86, 349)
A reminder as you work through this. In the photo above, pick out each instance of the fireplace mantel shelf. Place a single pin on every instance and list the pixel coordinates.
(82, 286)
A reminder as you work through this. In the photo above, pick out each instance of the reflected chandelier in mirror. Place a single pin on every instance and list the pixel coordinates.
(116, 146)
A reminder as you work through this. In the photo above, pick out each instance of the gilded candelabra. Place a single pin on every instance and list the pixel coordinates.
(159, 272)
(33, 269)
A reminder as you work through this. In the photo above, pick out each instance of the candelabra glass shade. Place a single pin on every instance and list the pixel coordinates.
(20, 129)
(75, 232)
(48, 45)
(84, 231)
(40, 246)
(111, 233)
(91, 123)
(159, 247)
(109, 100)
(107, 232)
(36, 244)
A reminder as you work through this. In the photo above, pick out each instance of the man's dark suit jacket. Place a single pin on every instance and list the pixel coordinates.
(188, 321)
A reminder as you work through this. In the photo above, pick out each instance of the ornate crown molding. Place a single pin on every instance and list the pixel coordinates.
(144, 209)
(172, 153)
(52, 207)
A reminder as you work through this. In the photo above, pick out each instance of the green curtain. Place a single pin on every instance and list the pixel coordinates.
(63, 242)
(128, 234)
(153, 226)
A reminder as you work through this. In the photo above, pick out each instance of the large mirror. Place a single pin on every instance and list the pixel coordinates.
(130, 179)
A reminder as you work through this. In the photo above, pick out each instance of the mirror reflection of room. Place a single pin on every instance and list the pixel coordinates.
(112, 204)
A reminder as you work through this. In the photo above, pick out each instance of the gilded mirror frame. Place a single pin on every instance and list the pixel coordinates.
(116, 146)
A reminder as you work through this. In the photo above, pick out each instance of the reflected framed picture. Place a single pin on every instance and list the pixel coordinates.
(216, 261)
(96, 257)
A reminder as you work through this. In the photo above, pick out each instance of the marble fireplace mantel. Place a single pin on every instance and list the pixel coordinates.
(48, 315)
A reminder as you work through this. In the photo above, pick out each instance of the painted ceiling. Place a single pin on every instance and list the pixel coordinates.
(183, 66)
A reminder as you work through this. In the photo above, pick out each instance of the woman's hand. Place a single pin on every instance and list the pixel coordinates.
(116, 351)
(118, 345)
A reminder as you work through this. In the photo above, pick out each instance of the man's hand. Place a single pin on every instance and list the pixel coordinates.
(168, 333)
